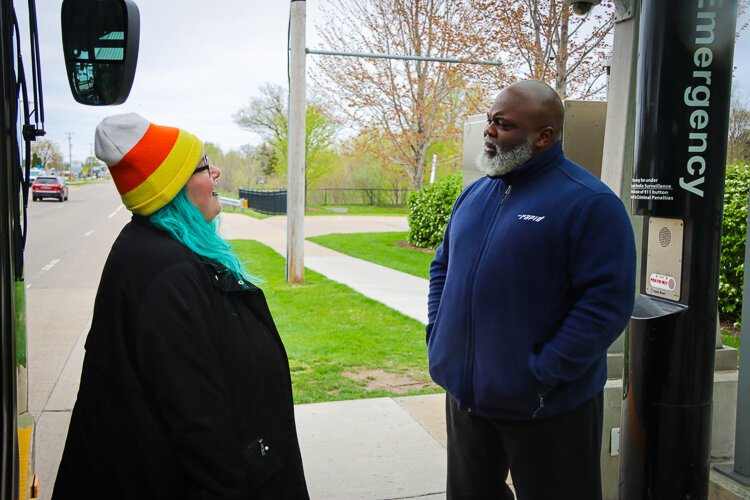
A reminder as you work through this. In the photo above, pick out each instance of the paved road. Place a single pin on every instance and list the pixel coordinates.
(66, 248)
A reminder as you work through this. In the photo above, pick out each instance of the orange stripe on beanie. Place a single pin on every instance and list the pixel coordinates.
(149, 163)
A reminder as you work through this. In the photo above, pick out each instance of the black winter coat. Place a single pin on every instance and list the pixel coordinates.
(185, 391)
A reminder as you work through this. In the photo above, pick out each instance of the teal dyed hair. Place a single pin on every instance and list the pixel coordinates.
(184, 222)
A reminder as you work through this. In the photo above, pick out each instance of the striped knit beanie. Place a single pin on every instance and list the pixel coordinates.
(149, 163)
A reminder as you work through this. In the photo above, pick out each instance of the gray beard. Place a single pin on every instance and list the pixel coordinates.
(504, 161)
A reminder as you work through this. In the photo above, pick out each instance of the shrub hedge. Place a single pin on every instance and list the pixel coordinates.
(430, 208)
(734, 232)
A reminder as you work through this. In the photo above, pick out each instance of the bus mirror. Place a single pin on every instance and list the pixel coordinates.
(100, 42)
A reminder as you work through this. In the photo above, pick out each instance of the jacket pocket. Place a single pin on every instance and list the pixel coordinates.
(262, 462)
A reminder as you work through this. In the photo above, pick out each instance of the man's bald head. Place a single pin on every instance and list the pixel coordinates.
(544, 103)
(526, 119)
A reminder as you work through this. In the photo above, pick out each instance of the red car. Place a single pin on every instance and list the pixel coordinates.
(49, 186)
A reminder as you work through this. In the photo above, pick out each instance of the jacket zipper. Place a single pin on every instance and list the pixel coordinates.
(541, 405)
(469, 364)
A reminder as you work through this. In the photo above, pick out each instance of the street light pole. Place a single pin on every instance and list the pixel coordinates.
(295, 229)
(70, 150)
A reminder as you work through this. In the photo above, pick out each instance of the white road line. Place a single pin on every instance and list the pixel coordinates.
(89, 233)
(50, 265)
(115, 212)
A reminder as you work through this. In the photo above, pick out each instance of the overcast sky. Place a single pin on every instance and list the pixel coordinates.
(199, 62)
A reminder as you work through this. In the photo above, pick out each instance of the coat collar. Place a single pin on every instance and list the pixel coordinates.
(220, 275)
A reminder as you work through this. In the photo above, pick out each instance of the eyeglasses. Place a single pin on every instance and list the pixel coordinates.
(205, 166)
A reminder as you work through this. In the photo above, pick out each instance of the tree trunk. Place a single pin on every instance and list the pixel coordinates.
(561, 60)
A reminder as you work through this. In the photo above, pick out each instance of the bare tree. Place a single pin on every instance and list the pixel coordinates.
(406, 106)
(738, 140)
(265, 115)
(544, 41)
(48, 152)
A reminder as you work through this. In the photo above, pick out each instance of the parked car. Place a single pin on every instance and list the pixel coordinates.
(49, 186)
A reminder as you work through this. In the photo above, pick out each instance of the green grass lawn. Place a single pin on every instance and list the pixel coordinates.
(381, 248)
(250, 213)
(329, 329)
(730, 339)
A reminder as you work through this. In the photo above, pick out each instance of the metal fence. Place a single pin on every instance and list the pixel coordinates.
(266, 201)
(273, 201)
(357, 196)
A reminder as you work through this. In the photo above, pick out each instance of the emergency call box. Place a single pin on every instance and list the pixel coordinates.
(664, 258)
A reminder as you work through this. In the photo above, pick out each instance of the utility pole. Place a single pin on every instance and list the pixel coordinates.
(434, 169)
(70, 150)
(295, 221)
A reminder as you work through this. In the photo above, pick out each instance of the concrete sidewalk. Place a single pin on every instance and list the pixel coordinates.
(384, 448)
(400, 291)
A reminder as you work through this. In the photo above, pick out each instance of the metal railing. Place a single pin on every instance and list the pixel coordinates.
(233, 202)
(273, 201)
(358, 196)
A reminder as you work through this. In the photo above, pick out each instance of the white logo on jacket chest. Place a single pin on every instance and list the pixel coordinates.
(532, 218)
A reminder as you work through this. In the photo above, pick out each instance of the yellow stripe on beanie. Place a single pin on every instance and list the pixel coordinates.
(168, 179)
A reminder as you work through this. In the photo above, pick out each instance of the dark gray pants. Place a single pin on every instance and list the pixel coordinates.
(553, 458)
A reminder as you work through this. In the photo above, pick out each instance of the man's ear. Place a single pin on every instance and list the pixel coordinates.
(545, 137)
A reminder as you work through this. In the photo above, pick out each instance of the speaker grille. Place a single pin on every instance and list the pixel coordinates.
(665, 237)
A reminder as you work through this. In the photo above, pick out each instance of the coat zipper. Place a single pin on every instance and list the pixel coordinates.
(541, 405)
(469, 363)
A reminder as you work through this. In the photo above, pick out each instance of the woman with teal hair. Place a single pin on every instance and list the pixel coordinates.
(185, 391)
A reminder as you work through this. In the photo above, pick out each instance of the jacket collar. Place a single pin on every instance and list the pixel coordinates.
(141, 219)
(220, 275)
(535, 166)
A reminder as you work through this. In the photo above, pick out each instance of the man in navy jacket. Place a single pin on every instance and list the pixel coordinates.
(534, 280)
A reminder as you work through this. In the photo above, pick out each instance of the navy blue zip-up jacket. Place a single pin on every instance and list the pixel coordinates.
(534, 280)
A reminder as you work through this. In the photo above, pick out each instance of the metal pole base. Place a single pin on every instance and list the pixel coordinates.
(728, 470)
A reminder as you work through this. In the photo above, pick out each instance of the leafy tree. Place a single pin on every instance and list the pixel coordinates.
(266, 116)
(238, 168)
(237, 171)
(48, 153)
(91, 162)
(734, 232)
(266, 156)
(213, 152)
